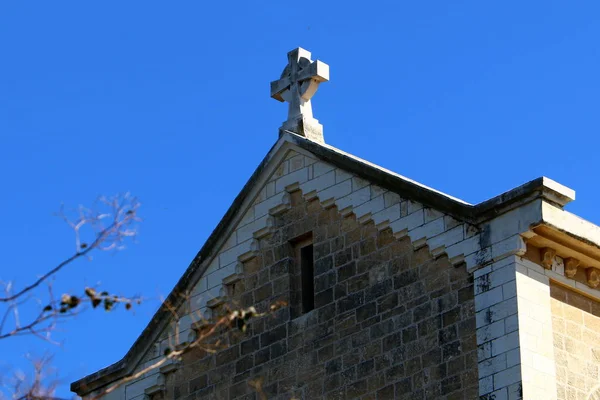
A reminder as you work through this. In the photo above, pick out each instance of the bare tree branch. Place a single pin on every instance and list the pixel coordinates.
(39, 386)
(107, 238)
(108, 226)
(236, 319)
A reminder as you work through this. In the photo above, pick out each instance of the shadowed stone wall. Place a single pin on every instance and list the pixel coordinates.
(390, 321)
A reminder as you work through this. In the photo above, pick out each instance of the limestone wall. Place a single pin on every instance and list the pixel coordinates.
(389, 320)
(409, 302)
(576, 327)
(394, 303)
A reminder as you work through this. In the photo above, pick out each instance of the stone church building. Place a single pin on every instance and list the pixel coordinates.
(373, 286)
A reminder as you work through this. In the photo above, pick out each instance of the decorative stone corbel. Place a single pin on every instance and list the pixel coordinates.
(216, 302)
(266, 230)
(293, 187)
(571, 265)
(347, 211)
(401, 234)
(157, 387)
(593, 277)
(239, 268)
(251, 253)
(230, 283)
(383, 225)
(231, 279)
(283, 206)
(192, 335)
(312, 195)
(438, 252)
(365, 219)
(201, 326)
(173, 366)
(547, 254)
(417, 244)
(328, 203)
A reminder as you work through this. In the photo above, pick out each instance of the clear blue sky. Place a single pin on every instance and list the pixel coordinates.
(170, 101)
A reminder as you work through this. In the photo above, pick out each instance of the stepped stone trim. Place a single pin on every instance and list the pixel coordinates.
(216, 302)
(156, 388)
(417, 244)
(432, 233)
(365, 219)
(169, 367)
(192, 334)
(367, 247)
(199, 326)
(266, 230)
(414, 225)
(330, 203)
(233, 278)
(252, 251)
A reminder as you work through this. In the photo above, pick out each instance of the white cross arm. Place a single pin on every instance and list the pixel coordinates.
(278, 87)
(317, 70)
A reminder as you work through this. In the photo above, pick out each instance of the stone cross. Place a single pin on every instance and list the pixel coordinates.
(298, 83)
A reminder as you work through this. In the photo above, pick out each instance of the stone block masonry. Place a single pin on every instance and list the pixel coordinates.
(389, 321)
(407, 299)
(576, 342)
(394, 313)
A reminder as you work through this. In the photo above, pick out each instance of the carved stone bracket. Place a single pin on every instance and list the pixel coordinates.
(312, 195)
(568, 266)
(283, 206)
(216, 302)
(329, 203)
(571, 265)
(231, 279)
(201, 326)
(267, 230)
(593, 276)
(230, 282)
(239, 268)
(251, 253)
(547, 255)
(417, 244)
(157, 387)
(564, 255)
(170, 367)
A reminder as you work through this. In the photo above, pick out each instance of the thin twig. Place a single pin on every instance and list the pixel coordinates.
(54, 270)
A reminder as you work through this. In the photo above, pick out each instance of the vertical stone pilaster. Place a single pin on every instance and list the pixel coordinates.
(535, 331)
(496, 309)
(514, 331)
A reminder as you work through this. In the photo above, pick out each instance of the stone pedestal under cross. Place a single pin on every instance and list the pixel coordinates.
(298, 83)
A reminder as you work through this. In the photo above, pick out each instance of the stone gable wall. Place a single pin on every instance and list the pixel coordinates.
(338, 207)
(389, 321)
(397, 314)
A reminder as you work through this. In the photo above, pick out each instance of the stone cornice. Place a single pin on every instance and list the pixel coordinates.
(568, 247)
(543, 188)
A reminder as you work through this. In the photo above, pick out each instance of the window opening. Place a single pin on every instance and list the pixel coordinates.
(308, 278)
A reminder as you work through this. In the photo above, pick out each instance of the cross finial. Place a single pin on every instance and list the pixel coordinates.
(298, 83)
